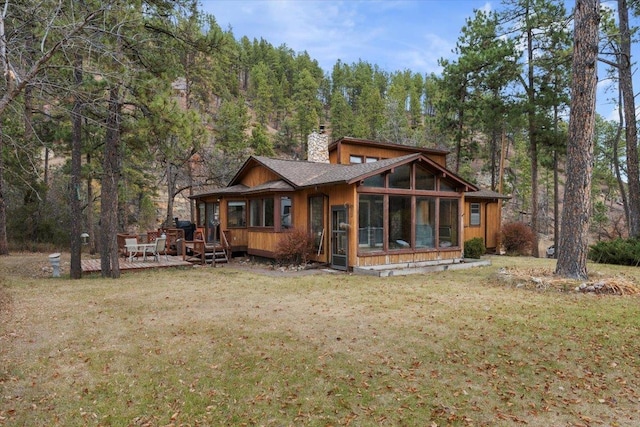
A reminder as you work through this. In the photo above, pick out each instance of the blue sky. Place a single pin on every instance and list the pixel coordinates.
(395, 35)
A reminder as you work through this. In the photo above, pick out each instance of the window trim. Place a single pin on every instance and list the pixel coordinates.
(262, 212)
(473, 223)
(244, 201)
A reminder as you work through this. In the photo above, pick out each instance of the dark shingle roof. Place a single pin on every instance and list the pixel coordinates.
(485, 194)
(296, 174)
(305, 174)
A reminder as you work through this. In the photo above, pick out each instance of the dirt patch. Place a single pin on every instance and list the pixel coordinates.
(543, 279)
(272, 269)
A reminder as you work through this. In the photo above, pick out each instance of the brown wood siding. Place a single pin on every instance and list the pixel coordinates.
(376, 152)
(300, 203)
(333, 157)
(263, 243)
(493, 225)
(489, 229)
(369, 261)
(258, 175)
(238, 237)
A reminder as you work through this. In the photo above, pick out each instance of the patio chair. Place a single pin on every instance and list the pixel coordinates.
(130, 243)
(159, 249)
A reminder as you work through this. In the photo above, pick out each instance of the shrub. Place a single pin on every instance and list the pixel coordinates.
(295, 247)
(474, 248)
(517, 238)
(617, 251)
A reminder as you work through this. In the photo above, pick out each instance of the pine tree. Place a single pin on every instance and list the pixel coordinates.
(574, 234)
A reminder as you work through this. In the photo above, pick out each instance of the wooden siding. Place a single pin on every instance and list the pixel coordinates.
(400, 258)
(489, 229)
(238, 237)
(263, 243)
(258, 175)
(342, 155)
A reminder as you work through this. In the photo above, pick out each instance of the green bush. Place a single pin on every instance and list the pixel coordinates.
(295, 247)
(517, 238)
(617, 251)
(474, 248)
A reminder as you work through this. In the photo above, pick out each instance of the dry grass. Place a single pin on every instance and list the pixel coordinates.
(233, 347)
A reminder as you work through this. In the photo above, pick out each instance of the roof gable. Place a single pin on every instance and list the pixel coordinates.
(295, 174)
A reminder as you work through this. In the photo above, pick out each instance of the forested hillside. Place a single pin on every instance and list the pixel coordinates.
(141, 102)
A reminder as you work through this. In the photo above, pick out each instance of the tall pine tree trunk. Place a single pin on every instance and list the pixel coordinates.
(109, 262)
(533, 137)
(574, 234)
(76, 170)
(89, 215)
(4, 246)
(615, 147)
(631, 133)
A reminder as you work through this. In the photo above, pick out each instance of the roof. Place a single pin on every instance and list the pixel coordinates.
(485, 194)
(296, 174)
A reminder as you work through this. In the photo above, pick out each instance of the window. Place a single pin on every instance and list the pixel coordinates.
(425, 180)
(448, 224)
(475, 214)
(316, 221)
(213, 220)
(399, 222)
(446, 186)
(400, 177)
(374, 181)
(425, 222)
(355, 159)
(285, 212)
(371, 160)
(201, 214)
(236, 214)
(416, 208)
(370, 222)
(261, 213)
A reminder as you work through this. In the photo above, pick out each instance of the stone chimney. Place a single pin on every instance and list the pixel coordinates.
(318, 146)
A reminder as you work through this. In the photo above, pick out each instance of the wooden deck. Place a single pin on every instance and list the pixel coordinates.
(93, 265)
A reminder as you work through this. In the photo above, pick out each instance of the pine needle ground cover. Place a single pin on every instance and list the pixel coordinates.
(232, 347)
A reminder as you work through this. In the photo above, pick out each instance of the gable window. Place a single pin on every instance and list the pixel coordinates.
(374, 181)
(400, 177)
(446, 186)
(474, 220)
(425, 180)
(236, 214)
(261, 212)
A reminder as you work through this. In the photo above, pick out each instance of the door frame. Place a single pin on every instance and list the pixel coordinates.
(339, 222)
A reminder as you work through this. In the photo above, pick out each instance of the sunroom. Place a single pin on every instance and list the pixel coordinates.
(410, 211)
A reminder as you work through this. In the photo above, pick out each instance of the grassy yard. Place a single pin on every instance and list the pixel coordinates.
(226, 346)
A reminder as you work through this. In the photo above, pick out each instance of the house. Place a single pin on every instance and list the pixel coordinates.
(365, 203)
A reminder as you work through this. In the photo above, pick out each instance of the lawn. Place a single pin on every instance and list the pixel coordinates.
(227, 346)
